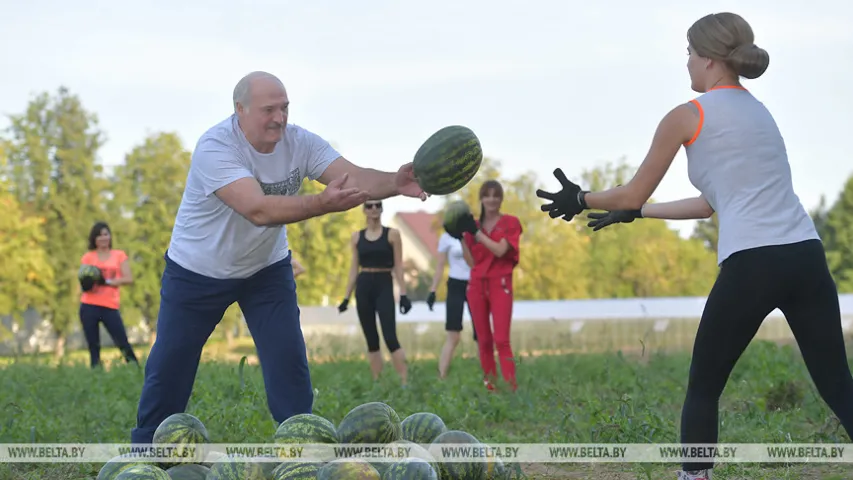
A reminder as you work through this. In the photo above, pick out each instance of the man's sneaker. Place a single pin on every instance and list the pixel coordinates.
(694, 475)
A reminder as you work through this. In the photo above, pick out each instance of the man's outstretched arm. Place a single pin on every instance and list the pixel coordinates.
(379, 185)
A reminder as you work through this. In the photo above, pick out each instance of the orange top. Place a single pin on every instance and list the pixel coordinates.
(104, 295)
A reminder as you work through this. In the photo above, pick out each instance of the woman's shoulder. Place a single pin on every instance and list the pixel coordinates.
(118, 254)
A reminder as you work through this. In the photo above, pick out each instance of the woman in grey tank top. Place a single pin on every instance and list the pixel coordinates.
(769, 252)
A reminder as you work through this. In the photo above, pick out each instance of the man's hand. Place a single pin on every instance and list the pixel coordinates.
(566, 203)
(406, 184)
(601, 220)
(335, 199)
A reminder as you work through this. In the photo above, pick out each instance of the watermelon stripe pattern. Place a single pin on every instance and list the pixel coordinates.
(306, 428)
(233, 467)
(296, 471)
(410, 469)
(143, 471)
(423, 427)
(448, 160)
(373, 422)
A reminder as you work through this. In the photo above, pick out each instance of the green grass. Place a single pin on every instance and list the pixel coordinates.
(567, 398)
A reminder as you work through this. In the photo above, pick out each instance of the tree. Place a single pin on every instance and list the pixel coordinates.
(707, 231)
(149, 187)
(836, 228)
(53, 174)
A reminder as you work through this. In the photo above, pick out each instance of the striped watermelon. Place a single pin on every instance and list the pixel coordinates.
(348, 469)
(496, 469)
(89, 272)
(183, 429)
(410, 469)
(268, 463)
(235, 467)
(373, 422)
(113, 466)
(378, 464)
(416, 451)
(475, 470)
(422, 427)
(143, 471)
(306, 428)
(296, 471)
(188, 471)
(448, 160)
(452, 212)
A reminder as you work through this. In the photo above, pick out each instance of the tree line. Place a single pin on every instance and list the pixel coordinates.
(54, 189)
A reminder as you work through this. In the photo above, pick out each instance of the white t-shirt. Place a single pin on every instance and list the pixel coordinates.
(209, 237)
(459, 269)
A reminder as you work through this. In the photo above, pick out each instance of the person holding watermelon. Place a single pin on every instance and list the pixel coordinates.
(229, 244)
(100, 298)
(491, 248)
(377, 260)
(769, 251)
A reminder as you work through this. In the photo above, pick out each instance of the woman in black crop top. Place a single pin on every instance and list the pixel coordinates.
(377, 253)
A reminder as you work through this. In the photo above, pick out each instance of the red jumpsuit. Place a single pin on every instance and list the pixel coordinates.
(490, 294)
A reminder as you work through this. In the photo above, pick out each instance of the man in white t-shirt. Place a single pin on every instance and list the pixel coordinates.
(229, 244)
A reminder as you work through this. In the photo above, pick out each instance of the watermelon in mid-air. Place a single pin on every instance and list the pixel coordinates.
(448, 160)
(373, 422)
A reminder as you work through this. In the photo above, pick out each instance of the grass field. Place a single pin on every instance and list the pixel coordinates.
(574, 398)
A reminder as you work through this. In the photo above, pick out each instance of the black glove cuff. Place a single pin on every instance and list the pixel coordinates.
(582, 199)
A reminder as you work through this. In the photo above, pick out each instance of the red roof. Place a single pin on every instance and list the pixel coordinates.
(422, 224)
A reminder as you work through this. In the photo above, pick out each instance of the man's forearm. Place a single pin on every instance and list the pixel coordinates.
(685, 209)
(275, 210)
(378, 184)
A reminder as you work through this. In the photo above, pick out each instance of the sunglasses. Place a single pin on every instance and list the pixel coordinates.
(368, 206)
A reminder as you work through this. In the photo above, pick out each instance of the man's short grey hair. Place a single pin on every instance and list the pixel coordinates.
(243, 90)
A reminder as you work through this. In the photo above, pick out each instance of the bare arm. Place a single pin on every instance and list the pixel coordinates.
(498, 249)
(353, 269)
(378, 185)
(685, 209)
(466, 253)
(126, 275)
(397, 245)
(441, 261)
(298, 269)
(676, 129)
(246, 198)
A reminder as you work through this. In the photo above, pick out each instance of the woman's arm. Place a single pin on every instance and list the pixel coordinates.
(498, 248)
(126, 277)
(677, 128)
(298, 269)
(397, 245)
(686, 209)
(441, 261)
(466, 253)
(353, 269)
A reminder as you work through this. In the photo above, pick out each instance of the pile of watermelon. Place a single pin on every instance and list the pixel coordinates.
(369, 423)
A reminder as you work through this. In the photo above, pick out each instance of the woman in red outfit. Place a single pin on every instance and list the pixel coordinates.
(490, 247)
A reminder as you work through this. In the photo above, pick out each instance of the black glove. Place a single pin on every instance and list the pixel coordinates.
(405, 304)
(343, 306)
(101, 279)
(601, 220)
(566, 203)
(464, 223)
(87, 284)
(430, 300)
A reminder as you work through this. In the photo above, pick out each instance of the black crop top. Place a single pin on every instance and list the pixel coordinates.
(378, 253)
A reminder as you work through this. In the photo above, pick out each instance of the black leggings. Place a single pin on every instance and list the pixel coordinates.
(374, 294)
(91, 316)
(457, 291)
(793, 278)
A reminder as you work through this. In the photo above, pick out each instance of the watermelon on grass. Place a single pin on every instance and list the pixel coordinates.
(188, 471)
(410, 469)
(113, 466)
(143, 471)
(296, 471)
(348, 469)
(235, 467)
(496, 469)
(473, 470)
(183, 429)
(373, 422)
(422, 427)
(306, 428)
(416, 451)
(448, 160)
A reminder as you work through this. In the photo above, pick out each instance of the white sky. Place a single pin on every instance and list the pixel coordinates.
(546, 85)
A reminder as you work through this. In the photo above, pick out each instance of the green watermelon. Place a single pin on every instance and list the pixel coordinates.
(423, 427)
(112, 467)
(472, 470)
(183, 429)
(188, 471)
(296, 471)
(235, 467)
(496, 469)
(410, 469)
(89, 272)
(306, 428)
(452, 212)
(143, 471)
(379, 465)
(416, 451)
(348, 469)
(448, 160)
(373, 422)
(267, 466)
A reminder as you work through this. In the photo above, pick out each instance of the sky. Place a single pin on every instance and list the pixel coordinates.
(544, 84)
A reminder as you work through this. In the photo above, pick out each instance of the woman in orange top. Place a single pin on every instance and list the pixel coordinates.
(490, 246)
(100, 302)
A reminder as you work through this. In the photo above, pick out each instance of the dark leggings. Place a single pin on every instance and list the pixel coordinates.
(752, 283)
(91, 316)
(374, 294)
(457, 291)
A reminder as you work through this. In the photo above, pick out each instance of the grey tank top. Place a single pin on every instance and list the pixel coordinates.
(738, 161)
